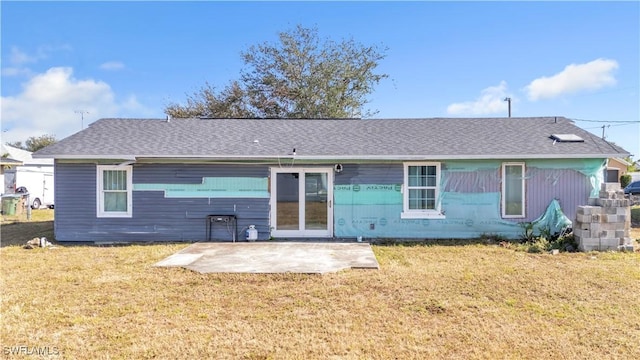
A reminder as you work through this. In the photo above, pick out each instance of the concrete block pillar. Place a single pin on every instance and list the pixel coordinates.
(605, 223)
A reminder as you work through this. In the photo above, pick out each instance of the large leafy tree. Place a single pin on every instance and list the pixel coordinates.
(300, 76)
(633, 164)
(231, 102)
(35, 143)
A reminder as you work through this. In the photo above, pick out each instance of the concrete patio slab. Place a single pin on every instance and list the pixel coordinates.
(179, 259)
(273, 257)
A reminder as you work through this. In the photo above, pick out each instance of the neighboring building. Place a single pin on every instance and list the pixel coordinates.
(616, 167)
(6, 164)
(635, 176)
(159, 180)
(34, 174)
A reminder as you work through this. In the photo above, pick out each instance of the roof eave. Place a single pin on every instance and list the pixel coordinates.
(463, 157)
(621, 160)
(341, 157)
(88, 157)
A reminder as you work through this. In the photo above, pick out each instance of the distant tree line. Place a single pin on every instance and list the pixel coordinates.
(34, 143)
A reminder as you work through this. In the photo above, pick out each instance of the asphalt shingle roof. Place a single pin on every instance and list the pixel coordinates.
(434, 138)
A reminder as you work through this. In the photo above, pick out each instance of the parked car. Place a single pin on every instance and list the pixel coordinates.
(633, 188)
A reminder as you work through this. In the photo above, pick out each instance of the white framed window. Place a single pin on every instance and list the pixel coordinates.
(114, 191)
(421, 190)
(513, 190)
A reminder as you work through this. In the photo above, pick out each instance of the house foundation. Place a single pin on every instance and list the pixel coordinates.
(605, 223)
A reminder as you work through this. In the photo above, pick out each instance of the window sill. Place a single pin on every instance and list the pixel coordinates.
(116, 215)
(513, 216)
(422, 215)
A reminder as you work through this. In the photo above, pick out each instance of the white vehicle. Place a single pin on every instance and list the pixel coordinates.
(36, 180)
(34, 176)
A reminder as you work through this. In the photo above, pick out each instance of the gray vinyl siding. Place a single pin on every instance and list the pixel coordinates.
(75, 193)
(380, 174)
(155, 217)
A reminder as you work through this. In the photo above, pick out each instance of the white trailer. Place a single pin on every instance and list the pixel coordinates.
(36, 180)
(33, 175)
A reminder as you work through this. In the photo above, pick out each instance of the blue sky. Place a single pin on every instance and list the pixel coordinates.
(580, 60)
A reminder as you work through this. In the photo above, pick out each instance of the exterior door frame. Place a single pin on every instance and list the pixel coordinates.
(301, 232)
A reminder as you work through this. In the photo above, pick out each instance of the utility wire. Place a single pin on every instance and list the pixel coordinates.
(600, 127)
(607, 121)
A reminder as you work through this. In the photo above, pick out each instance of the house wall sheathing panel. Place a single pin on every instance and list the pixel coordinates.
(470, 198)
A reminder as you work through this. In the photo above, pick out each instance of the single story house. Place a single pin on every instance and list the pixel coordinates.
(616, 167)
(199, 179)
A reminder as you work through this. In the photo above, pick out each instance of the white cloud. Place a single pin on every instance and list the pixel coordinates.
(48, 102)
(574, 78)
(18, 60)
(112, 66)
(16, 71)
(490, 101)
(19, 57)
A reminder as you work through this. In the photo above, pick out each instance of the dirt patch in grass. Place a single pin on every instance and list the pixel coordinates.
(475, 301)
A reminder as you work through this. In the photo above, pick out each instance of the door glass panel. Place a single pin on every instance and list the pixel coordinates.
(287, 206)
(316, 201)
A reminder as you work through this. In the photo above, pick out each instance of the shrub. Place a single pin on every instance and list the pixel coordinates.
(635, 216)
(565, 243)
(541, 244)
(625, 180)
(546, 241)
(527, 232)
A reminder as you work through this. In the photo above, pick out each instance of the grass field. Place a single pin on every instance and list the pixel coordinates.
(16, 230)
(435, 301)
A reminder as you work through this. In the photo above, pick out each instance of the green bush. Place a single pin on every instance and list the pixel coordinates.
(565, 243)
(539, 245)
(546, 241)
(527, 232)
(625, 180)
(635, 216)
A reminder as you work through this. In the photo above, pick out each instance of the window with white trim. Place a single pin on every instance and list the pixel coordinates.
(113, 190)
(513, 186)
(421, 190)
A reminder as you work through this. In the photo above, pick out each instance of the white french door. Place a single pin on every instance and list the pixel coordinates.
(301, 202)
